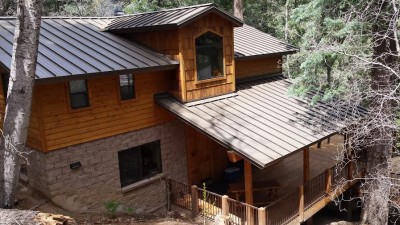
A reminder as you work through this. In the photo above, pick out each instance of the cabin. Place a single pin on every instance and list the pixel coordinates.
(168, 107)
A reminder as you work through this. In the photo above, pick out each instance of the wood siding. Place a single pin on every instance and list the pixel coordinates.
(35, 137)
(165, 42)
(107, 115)
(206, 158)
(191, 89)
(259, 66)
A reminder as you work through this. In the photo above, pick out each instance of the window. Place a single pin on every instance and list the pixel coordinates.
(127, 86)
(139, 163)
(209, 56)
(78, 94)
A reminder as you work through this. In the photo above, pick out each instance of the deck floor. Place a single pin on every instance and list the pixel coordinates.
(289, 171)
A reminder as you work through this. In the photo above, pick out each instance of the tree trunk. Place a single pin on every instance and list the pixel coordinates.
(19, 96)
(377, 186)
(238, 9)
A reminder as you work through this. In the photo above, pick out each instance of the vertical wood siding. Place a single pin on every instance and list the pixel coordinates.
(107, 115)
(260, 66)
(206, 158)
(165, 42)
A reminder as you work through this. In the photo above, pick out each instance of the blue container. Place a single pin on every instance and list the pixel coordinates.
(232, 174)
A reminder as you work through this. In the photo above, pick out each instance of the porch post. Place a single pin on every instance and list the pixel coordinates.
(248, 182)
(306, 164)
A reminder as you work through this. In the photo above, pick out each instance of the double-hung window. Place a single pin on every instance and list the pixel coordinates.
(78, 94)
(139, 163)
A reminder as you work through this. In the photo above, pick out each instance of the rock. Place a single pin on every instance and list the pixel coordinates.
(28, 217)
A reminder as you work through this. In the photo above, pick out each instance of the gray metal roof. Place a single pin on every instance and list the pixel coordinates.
(76, 46)
(260, 121)
(250, 42)
(164, 19)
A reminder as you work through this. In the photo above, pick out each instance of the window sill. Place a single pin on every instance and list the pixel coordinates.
(142, 183)
(210, 80)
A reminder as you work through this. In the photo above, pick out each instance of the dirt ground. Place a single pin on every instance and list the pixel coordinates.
(31, 200)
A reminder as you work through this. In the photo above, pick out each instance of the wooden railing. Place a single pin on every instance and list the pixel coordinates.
(209, 204)
(314, 190)
(242, 213)
(284, 210)
(294, 207)
(180, 194)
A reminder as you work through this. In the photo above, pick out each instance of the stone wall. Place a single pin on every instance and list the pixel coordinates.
(98, 180)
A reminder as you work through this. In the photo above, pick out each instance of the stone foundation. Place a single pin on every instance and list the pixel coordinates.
(97, 180)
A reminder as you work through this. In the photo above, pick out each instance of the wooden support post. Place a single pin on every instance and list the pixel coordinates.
(328, 181)
(329, 140)
(350, 167)
(306, 165)
(301, 203)
(248, 182)
(195, 201)
(262, 216)
(319, 144)
(225, 206)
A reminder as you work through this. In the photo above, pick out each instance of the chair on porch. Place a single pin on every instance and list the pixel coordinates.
(267, 191)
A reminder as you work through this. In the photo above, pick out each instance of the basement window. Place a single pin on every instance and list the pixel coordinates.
(127, 86)
(209, 56)
(139, 163)
(78, 94)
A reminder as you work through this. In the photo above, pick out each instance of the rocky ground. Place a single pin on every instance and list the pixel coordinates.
(34, 204)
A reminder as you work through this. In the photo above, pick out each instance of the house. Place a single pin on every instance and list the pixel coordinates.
(123, 103)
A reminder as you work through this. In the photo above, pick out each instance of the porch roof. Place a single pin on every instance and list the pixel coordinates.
(260, 121)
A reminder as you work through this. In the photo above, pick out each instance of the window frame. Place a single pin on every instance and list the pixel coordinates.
(223, 77)
(118, 84)
(139, 149)
(68, 92)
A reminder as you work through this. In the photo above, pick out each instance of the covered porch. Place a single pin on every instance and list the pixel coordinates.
(276, 139)
(296, 200)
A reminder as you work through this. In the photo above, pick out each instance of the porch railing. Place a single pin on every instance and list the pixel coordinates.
(295, 206)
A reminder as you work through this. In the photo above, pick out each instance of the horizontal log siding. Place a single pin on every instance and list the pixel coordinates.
(259, 66)
(191, 89)
(107, 115)
(34, 139)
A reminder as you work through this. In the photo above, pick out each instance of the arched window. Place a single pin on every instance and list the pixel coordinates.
(209, 56)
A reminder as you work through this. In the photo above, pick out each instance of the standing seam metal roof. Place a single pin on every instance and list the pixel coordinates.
(169, 18)
(248, 42)
(76, 46)
(260, 122)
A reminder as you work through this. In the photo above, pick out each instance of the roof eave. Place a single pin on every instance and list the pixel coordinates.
(142, 29)
(250, 57)
(116, 72)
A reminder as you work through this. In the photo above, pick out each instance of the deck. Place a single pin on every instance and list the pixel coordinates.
(289, 171)
(296, 200)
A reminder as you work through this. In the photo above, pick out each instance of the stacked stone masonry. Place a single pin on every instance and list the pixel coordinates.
(98, 179)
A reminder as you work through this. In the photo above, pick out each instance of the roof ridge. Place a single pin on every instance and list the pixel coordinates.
(166, 10)
(113, 17)
(61, 17)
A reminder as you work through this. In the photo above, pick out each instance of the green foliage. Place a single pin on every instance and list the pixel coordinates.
(328, 42)
(129, 210)
(111, 207)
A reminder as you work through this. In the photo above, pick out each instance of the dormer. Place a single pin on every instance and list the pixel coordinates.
(200, 37)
